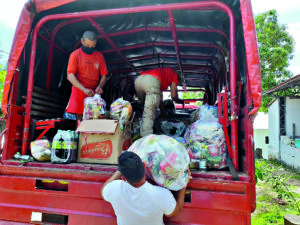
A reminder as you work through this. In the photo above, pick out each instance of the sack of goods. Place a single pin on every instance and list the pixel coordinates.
(167, 161)
(120, 110)
(94, 108)
(41, 150)
(205, 139)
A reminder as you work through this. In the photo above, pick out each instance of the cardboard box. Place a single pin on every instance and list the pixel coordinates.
(102, 141)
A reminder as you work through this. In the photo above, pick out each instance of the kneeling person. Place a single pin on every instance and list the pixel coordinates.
(135, 201)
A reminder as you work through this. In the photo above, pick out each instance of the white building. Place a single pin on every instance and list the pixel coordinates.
(261, 133)
(284, 123)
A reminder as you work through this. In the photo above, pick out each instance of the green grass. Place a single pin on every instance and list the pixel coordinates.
(296, 176)
(268, 209)
(270, 212)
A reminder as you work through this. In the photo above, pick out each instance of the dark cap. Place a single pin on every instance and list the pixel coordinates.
(131, 167)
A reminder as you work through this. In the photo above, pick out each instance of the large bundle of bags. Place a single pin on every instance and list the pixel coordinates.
(167, 161)
(205, 138)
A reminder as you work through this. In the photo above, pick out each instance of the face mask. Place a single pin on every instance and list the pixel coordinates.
(87, 50)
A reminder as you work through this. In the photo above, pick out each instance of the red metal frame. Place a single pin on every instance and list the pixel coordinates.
(100, 30)
(160, 29)
(223, 119)
(176, 43)
(167, 44)
(109, 12)
(52, 45)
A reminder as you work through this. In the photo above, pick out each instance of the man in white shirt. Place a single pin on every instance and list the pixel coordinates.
(135, 201)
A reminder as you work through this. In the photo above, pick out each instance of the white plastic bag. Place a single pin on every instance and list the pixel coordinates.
(120, 110)
(167, 160)
(41, 150)
(94, 108)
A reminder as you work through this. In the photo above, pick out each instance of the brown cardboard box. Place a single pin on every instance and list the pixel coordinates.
(102, 141)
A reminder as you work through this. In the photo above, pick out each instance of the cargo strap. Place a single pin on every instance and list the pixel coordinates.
(231, 167)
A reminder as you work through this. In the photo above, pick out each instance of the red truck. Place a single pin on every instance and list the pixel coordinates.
(213, 45)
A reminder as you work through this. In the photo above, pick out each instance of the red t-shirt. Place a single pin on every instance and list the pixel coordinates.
(165, 75)
(87, 68)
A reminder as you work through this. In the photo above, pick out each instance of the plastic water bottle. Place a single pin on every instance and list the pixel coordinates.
(74, 140)
(56, 146)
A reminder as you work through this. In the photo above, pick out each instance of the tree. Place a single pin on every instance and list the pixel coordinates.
(276, 47)
(193, 95)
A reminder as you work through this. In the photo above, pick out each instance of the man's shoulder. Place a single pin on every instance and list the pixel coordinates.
(157, 190)
(98, 54)
(114, 183)
(75, 53)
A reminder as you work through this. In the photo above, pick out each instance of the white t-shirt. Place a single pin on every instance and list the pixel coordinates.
(135, 206)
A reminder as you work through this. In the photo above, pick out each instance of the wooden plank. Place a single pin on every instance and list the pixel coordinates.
(48, 93)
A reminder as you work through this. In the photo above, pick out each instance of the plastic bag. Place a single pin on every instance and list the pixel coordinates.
(206, 140)
(121, 110)
(173, 129)
(206, 113)
(94, 108)
(41, 150)
(167, 160)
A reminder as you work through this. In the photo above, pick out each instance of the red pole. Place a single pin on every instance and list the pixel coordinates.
(173, 28)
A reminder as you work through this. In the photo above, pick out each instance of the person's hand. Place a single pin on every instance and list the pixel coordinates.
(189, 175)
(88, 92)
(99, 90)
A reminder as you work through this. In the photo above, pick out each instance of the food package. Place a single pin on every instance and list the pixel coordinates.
(167, 161)
(173, 129)
(206, 140)
(94, 108)
(121, 110)
(206, 113)
(41, 150)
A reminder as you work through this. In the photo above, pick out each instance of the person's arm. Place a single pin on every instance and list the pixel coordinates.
(116, 176)
(179, 197)
(71, 77)
(174, 94)
(162, 109)
(99, 89)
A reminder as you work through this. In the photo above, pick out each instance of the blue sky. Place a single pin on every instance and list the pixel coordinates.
(288, 10)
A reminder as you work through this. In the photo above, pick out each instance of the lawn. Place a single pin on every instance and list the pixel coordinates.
(277, 193)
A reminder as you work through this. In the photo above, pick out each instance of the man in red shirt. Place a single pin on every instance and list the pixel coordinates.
(84, 70)
(149, 87)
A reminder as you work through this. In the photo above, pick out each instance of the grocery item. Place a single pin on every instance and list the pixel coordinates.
(41, 150)
(64, 147)
(202, 165)
(173, 129)
(94, 108)
(167, 160)
(121, 110)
